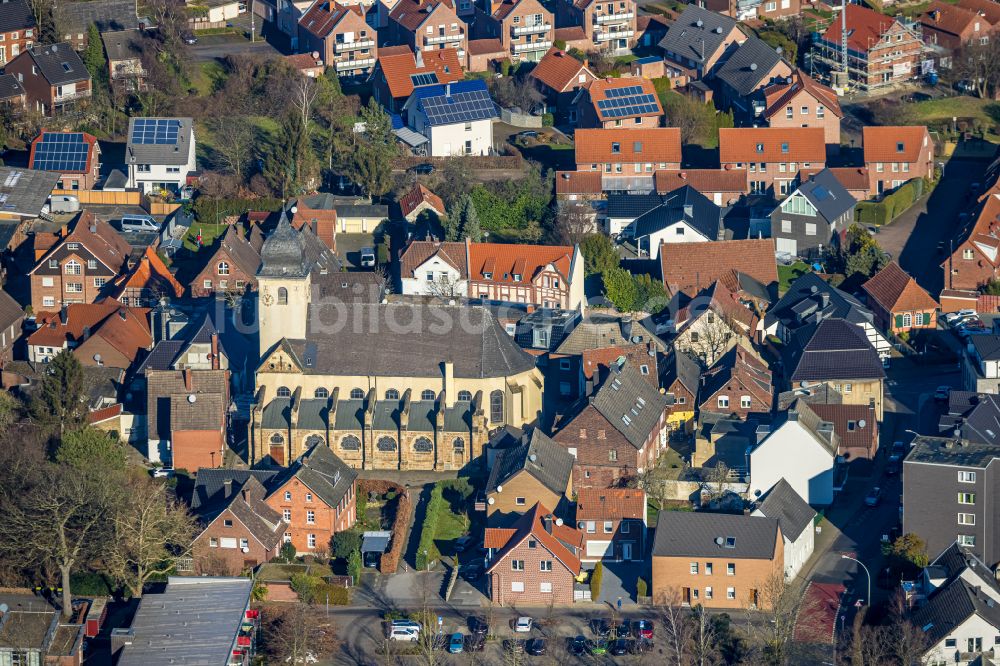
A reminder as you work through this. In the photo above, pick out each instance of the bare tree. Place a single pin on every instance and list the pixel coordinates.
(574, 222)
(151, 532)
(717, 478)
(704, 640)
(871, 645)
(711, 336)
(303, 97)
(656, 481)
(677, 627)
(235, 144)
(980, 65)
(906, 640)
(447, 287)
(777, 606)
(428, 626)
(298, 634)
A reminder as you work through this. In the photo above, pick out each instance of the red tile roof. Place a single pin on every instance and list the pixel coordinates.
(417, 196)
(842, 416)
(690, 267)
(578, 182)
(896, 291)
(497, 537)
(323, 16)
(598, 90)
(598, 361)
(772, 144)
(658, 145)
(503, 261)
(988, 8)
(531, 524)
(610, 504)
(411, 13)
(560, 71)
(865, 28)
(125, 329)
(104, 413)
(100, 238)
(950, 18)
(418, 252)
(705, 181)
(852, 178)
(398, 63)
(89, 139)
(779, 95)
(573, 33)
(486, 46)
(303, 61)
(882, 144)
(149, 273)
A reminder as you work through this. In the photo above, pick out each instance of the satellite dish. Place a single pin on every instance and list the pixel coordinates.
(861, 423)
(245, 549)
(756, 493)
(532, 457)
(97, 357)
(559, 522)
(499, 489)
(491, 501)
(294, 209)
(719, 541)
(192, 398)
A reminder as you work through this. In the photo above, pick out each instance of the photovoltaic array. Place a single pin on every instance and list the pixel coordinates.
(63, 152)
(461, 107)
(156, 131)
(627, 101)
(424, 79)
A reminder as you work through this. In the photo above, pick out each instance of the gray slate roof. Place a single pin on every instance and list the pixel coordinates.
(294, 254)
(28, 192)
(683, 204)
(694, 534)
(793, 513)
(210, 484)
(981, 424)
(16, 15)
(822, 431)
(537, 455)
(747, 67)
(681, 365)
(323, 472)
(122, 44)
(949, 451)
(631, 206)
(955, 559)
(10, 87)
(630, 403)
(241, 251)
(838, 350)
(599, 330)
(75, 17)
(165, 633)
(402, 339)
(58, 63)
(165, 154)
(825, 192)
(10, 311)
(952, 605)
(987, 346)
(811, 299)
(695, 24)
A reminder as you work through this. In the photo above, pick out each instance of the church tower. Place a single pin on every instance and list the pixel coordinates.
(283, 286)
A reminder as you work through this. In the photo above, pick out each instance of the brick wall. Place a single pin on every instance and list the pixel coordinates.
(672, 579)
(324, 520)
(197, 448)
(216, 560)
(531, 578)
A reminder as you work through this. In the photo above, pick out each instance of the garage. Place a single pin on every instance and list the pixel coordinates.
(599, 549)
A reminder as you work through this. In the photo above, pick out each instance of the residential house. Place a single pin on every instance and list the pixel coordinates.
(238, 529)
(597, 364)
(649, 30)
(681, 382)
(341, 36)
(78, 267)
(160, 153)
(23, 193)
(186, 416)
(894, 155)
(11, 318)
(548, 276)
(34, 632)
(691, 267)
(399, 70)
(433, 268)
(960, 622)
(882, 50)
(525, 28)
(856, 426)
(953, 26)
(795, 519)
(99, 334)
(772, 156)
(53, 77)
(75, 156)
(12, 95)
(725, 187)
(534, 561)
(683, 216)
(124, 51)
(418, 200)
(455, 118)
(307, 64)
(542, 329)
(814, 216)
(975, 261)
(752, 10)
(617, 434)
(808, 301)
(714, 322)
(613, 524)
(800, 448)
(145, 282)
(17, 29)
(319, 213)
(231, 270)
(536, 469)
(699, 39)
(628, 159)
(73, 19)
(428, 25)
(854, 179)
(802, 101)
(560, 77)
(839, 352)
(741, 552)
(609, 25)
(738, 384)
(899, 303)
(947, 488)
(981, 364)
(753, 66)
(625, 102)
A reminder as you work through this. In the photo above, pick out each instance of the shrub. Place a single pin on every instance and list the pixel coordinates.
(560, 44)
(456, 491)
(548, 120)
(287, 552)
(641, 588)
(345, 543)
(209, 209)
(435, 505)
(306, 586)
(595, 582)
(382, 252)
(90, 584)
(354, 566)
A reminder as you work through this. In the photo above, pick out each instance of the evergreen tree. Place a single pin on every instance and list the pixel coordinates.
(470, 225)
(453, 222)
(93, 58)
(59, 400)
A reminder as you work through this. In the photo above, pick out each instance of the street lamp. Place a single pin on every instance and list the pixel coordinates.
(868, 600)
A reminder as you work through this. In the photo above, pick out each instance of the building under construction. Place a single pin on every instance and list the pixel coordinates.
(881, 51)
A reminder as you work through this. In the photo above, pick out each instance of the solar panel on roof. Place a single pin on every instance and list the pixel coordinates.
(63, 152)
(631, 105)
(425, 79)
(156, 131)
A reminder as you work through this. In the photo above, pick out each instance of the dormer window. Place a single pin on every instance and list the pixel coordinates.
(760, 148)
(899, 147)
(487, 276)
(517, 277)
(784, 147)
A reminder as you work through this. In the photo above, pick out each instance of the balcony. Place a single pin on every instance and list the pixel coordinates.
(354, 64)
(439, 39)
(611, 18)
(532, 46)
(613, 34)
(351, 46)
(71, 97)
(531, 29)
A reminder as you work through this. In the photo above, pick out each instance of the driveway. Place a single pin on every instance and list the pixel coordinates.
(216, 47)
(619, 582)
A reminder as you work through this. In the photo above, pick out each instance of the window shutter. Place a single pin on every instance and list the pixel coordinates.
(899, 321)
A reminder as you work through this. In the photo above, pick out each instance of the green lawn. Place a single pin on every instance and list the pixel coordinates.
(789, 274)
(209, 232)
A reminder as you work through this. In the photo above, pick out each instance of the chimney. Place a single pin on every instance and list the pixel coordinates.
(627, 327)
(547, 522)
(449, 384)
(64, 315)
(418, 59)
(243, 493)
(122, 314)
(447, 90)
(188, 383)
(227, 489)
(215, 351)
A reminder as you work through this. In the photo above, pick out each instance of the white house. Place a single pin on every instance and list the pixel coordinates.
(160, 153)
(429, 268)
(802, 450)
(683, 216)
(455, 118)
(960, 622)
(796, 520)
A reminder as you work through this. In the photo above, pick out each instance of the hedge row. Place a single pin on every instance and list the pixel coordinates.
(435, 505)
(468, 161)
(207, 209)
(892, 205)
(389, 562)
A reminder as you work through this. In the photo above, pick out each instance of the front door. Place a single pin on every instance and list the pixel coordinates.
(686, 595)
(627, 550)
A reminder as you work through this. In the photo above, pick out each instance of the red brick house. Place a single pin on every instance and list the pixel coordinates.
(399, 69)
(535, 561)
(186, 415)
(631, 152)
(618, 103)
(803, 101)
(618, 433)
(100, 334)
(419, 199)
(738, 384)
(77, 268)
(11, 319)
(17, 29)
(952, 26)
(560, 77)
(613, 524)
(681, 380)
(145, 282)
(691, 267)
(597, 363)
(856, 427)
(724, 187)
(772, 156)
(525, 28)
(341, 36)
(231, 270)
(428, 25)
(48, 153)
(898, 302)
(53, 77)
(976, 260)
(894, 155)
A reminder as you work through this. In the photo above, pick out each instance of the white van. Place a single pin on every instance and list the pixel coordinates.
(404, 634)
(64, 203)
(139, 223)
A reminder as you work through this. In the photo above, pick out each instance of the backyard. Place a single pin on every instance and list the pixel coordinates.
(446, 519)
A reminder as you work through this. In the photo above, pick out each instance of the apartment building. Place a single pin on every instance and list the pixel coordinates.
(525, 28)
(428, 25)
(341, 36)
(772, 156)
(609, 24)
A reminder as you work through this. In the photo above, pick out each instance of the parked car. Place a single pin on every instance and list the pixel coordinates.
(471, 572)
(892, 467)
(456, 644)
(163, 472)
(367, 257)
(190, 39)
(462, 543)
(874, 497)
(619, 648)
(576, 646)
(479, 626)
(523, 624)
(941, 393)
(601, 627)
(404, 634)
(624, 630)
(424, 169)
(644, 629)
(953, 317)
(898, 448)
(536, 647)
(597, 647)
(139, 223)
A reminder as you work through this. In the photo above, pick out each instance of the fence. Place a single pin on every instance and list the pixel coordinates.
(518, 119)
(104, 198)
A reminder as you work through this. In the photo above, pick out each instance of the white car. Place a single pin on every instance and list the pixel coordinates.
(955, 317)
(404, 634)
(406, 624)
(523, 625)
(163, 473)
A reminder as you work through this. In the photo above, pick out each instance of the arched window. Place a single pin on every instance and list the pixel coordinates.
(277, 439)
(458, 444)
(392, 394)
(907, 320)
(321, 393)
(350, 443)
(386, 444)
(427, 395)
(357, 394)
(223, 268)
(313, 440)
(423, 445)
(496, 406)
(283, 392)
(72, 267)
(282, 296)
(464, 396)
